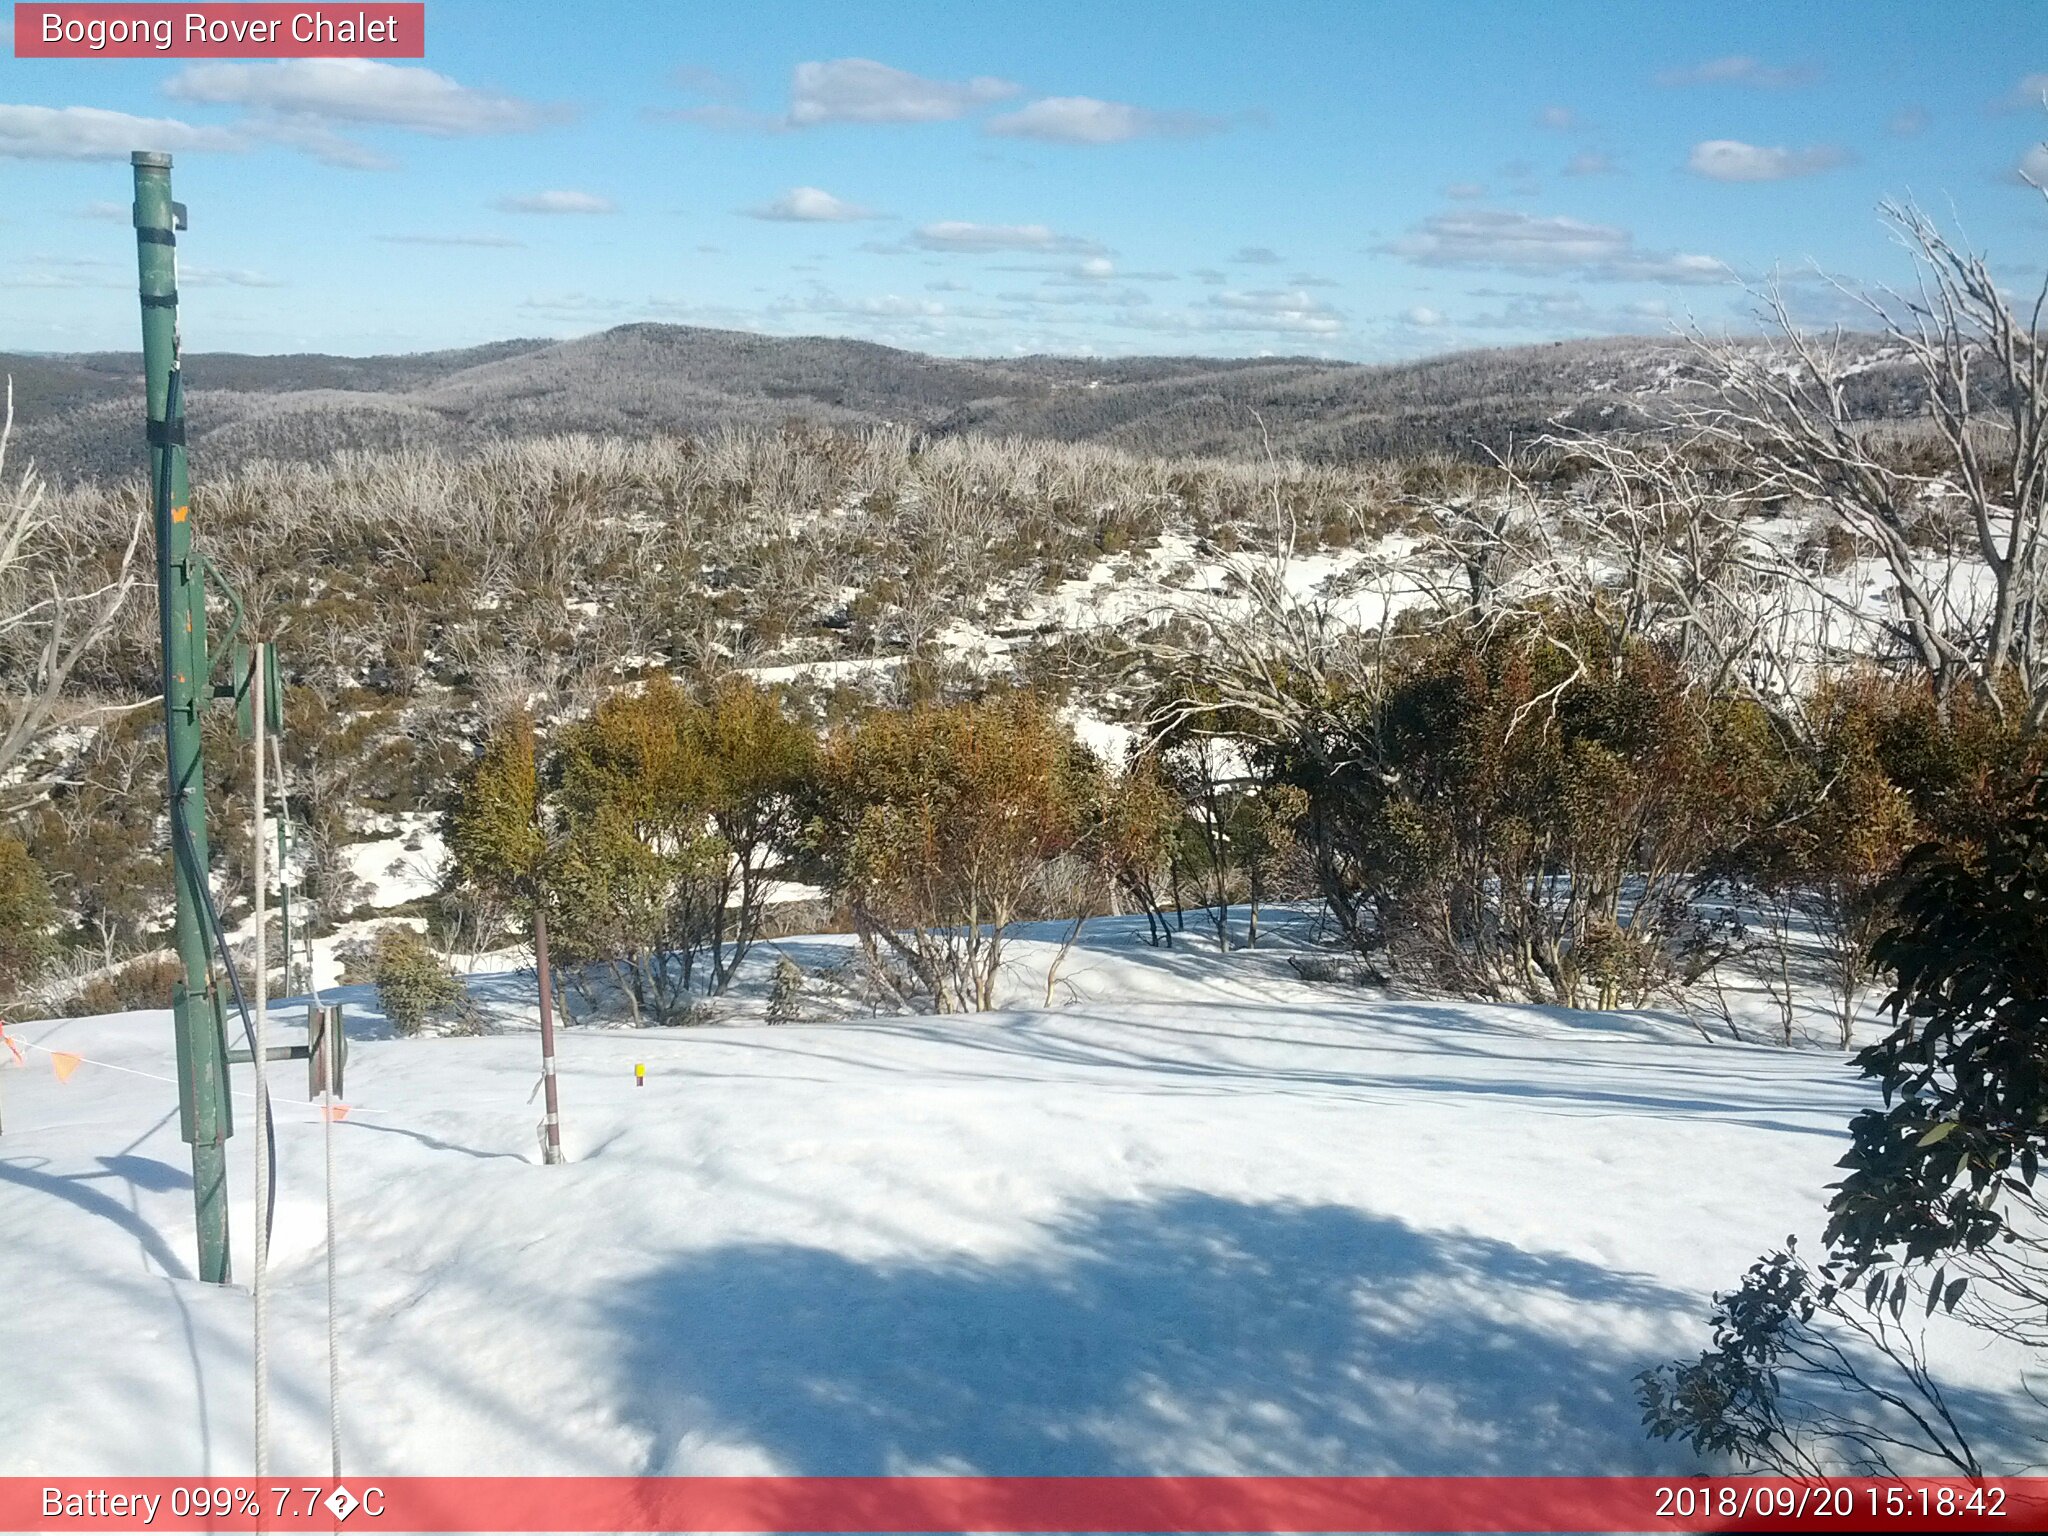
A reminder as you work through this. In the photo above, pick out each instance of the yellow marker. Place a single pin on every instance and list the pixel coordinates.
(639, 1074)
(179, 514)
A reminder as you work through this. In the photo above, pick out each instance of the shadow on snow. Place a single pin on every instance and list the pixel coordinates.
(1193, 1334)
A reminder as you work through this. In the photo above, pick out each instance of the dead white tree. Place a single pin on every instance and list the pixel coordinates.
(1660, 543)
(1965, 610)
(57, 602)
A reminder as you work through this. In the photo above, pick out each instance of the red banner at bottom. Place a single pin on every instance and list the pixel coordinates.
(1021, 1504)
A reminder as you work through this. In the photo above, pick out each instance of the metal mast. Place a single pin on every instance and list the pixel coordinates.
(204, 1113)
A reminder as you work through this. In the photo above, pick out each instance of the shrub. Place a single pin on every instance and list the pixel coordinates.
(1531, 814)
(415, 986)
(936, 824)
(147, 982)
(27, 916)
(785, 992)
(671, 810)
(1940, 1207)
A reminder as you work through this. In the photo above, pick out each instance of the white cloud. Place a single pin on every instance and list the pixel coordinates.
(574, 306)
(1270, 301)
(1084, 120)
(1484, 237)
(112, 213)
(1907, 121)
(2033, 166)
(1271, 312)
(1256, 256)
(1591, 162)
(1524, 242)
(1557, 119)
(1553, 313)
(1423, 315)
(223, 277)
(484, 242)
(1733, 160)
(809, 205)
(317, 140)
(957, 235)
(91, 133)
(723, 116)
(1094, 294)
(1280, 309)
(557, 202)
(1677, 267)
(863, 91)
(2030, 93)
(362, 91)
(1738, 69)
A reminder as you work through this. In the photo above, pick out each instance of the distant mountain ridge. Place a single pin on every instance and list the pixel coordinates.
(79, 416)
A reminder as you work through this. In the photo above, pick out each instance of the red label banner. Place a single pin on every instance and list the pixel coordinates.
(1022, 1504)
(319, 31)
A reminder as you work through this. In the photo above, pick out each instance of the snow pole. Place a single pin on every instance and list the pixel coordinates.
(551, 1126)
(205, 1116)
(259, 1063)
(330, 1067)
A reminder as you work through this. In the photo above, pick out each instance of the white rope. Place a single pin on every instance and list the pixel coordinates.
(329, 1055)
(260, 1285)
(317, 1026)
(333, 1335)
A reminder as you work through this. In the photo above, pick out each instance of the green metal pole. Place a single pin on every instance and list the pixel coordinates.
(204, 1114)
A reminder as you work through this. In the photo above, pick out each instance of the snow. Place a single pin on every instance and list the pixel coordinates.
(1201, 1217)
(404, 866)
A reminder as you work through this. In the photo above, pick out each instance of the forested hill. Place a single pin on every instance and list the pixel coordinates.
(79, 415)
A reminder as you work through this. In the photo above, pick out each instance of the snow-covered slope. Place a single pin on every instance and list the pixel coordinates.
(1202, 1217)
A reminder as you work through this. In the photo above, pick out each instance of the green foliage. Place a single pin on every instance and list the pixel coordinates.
(670, 809)
(27, 916)
(1940, 1199)
(1135, 823)
(492, 821)
(785, 992)
(1531, 814)
(1964, 1070)
(148, 981)
(936, 823)
(97, 838)
(415, 985)
(1727, 1402)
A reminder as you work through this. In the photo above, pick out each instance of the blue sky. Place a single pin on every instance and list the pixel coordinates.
(1356, 180)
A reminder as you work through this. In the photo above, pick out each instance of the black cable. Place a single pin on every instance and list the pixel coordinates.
(182, 846)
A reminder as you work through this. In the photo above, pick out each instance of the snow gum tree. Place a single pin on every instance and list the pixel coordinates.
(671, 811)
(1530, 814)
(492, 824)
(937, 824)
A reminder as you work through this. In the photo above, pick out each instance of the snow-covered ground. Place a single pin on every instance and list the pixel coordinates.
(1201, 1216)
